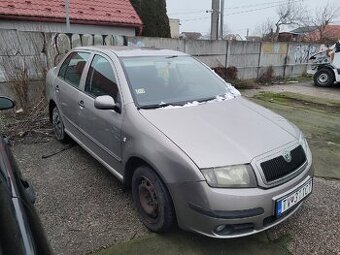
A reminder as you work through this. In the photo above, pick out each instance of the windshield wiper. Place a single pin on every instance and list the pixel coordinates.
(206, 99)
(172, 56)
(155, 106)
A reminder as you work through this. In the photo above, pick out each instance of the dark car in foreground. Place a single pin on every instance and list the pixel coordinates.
(20, 230)
(191, 147)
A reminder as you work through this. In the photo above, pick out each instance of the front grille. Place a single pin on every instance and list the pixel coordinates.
(278, 167)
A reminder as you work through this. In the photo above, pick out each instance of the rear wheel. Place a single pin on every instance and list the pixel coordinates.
(58, 126)
(152, 200)
(324, 77)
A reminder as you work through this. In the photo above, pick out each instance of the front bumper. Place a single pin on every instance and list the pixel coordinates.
(204, 210)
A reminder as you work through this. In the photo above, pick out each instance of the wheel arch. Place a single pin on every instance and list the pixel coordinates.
(326, 66)
(136, 161)
(132, 164)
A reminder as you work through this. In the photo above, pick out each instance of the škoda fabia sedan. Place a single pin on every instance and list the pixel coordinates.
(194, 151)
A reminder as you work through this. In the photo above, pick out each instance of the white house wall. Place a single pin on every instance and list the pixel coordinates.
(61, 28)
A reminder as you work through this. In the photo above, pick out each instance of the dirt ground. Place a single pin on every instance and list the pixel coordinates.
(304, 88)
(85, 209)
(318, 119)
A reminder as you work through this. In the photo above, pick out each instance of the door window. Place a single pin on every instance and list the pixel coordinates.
(101, 79)
(73, 66)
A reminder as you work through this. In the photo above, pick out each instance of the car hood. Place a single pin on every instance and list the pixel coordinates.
(223, 133)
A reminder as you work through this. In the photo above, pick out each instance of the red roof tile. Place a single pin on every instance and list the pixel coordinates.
(331, 32)
(101, 12)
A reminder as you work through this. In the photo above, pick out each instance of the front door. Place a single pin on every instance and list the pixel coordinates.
(101, 128)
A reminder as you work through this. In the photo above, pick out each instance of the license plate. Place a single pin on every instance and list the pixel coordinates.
(289, 201)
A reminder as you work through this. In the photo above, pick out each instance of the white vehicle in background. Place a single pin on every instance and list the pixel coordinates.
(326, 66)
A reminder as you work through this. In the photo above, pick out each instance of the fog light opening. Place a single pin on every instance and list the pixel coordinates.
(234, 229)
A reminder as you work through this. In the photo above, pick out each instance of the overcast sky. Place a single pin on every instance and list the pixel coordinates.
(239, 14)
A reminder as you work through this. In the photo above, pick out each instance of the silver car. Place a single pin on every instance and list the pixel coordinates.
(193, 150)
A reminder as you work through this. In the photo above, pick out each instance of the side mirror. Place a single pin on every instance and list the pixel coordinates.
(106, 103)
(6, 103)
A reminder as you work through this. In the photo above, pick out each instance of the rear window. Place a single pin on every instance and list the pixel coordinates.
(72, 68)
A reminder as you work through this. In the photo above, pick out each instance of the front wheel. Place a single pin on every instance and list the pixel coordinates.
(324, 77)
(152, 200)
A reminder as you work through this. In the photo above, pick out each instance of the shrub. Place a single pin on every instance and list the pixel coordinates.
(228, 74)
(267, 77)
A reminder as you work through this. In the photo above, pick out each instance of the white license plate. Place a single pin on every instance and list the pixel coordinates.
(289, 201)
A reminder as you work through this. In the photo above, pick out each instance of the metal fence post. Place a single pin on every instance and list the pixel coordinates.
(259, 62)
(227, 60)
(285, 62)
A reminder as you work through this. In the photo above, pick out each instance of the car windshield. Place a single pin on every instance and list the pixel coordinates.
(173, 80)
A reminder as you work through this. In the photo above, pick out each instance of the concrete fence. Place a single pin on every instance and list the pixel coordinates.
(36, 52)
(250, 58)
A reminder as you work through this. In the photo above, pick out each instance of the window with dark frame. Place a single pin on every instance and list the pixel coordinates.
(101, 79)
(72, 68)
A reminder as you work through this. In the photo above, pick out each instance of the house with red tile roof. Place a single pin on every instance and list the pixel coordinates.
(117, 17)
(327, 34)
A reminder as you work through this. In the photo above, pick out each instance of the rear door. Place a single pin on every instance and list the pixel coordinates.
(67, 84)
(101, 128)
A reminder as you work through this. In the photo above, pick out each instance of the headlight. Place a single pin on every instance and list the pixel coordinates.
(303, 142)
(239, 176)
(305, 146)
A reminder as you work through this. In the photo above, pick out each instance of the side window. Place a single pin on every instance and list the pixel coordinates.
(101, 79)
(72, 68)
(64, 65)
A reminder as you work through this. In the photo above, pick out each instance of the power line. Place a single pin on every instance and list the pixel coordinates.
(263, 8)
(194, 11)
(253, 5)
(247, 11)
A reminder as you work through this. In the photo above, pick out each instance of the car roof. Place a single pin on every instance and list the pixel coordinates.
(129, 51)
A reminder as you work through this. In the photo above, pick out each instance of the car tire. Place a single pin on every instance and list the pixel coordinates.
(324, 77)
(58, 126)
(152, 200)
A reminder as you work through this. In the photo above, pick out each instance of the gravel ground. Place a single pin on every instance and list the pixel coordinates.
(81, 205)
(84, 208)
(315, 228)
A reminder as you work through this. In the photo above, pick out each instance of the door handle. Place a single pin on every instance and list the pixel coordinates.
(57, 88)
(81, 104)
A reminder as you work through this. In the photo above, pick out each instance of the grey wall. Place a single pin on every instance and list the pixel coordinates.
(250, 58)
(36, 52)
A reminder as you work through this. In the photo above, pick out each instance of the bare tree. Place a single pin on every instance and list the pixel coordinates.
(265, 30)
(289, 14)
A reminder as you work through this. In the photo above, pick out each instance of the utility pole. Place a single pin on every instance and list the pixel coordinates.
(222, 19)
(68, 29)
(214, 19)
